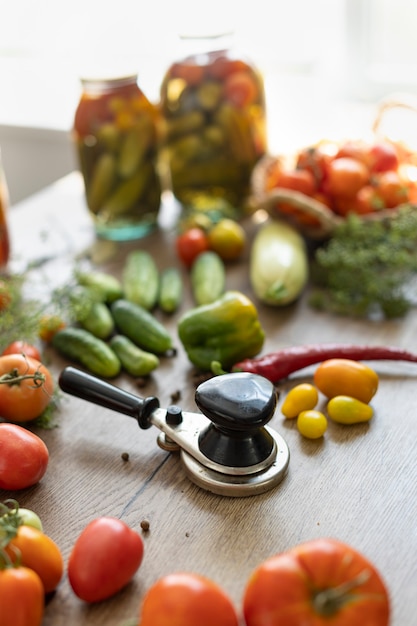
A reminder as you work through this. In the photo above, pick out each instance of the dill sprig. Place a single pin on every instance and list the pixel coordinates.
(368, 268)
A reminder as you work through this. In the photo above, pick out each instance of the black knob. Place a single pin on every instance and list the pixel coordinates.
(238, 405)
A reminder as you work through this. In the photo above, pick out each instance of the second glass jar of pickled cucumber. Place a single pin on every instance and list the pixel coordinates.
(4, 229)
(214, 122)
(115, 132)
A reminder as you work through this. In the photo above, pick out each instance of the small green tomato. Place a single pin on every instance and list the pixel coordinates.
(30, 518)
(312, 424)
(347, 410)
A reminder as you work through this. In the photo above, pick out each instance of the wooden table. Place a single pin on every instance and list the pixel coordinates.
(358, 484)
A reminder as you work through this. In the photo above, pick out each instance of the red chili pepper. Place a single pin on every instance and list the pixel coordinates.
(280, 364)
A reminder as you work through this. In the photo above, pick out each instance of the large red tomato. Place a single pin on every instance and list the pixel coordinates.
(26, 388)
(317, 583)
(187, 599)
(104, 559)
(23, 457)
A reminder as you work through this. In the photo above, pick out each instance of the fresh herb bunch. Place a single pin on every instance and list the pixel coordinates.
(369, 267)
(18, 320)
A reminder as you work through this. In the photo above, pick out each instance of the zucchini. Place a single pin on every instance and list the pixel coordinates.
(134, 360)
(140, 279)
(208, 277)
(278, 266)
(83, 347)
(141, 327)
(170, 290)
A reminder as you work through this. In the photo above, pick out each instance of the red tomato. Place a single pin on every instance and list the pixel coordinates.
(190, 244)
(104, 559)
(23, 457)
(315, 160)
(21, 347)
(368, 200)
(297, 180)
(346, 176)
(392, 188)
(26, 388)
(317, 583)
(241, 89)
(383, 157)
(38, 552)
(186, 599)
(22, 597)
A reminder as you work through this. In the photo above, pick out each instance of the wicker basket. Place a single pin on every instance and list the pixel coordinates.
(313, 218)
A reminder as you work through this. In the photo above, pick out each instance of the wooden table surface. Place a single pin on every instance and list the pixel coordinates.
(358, 484)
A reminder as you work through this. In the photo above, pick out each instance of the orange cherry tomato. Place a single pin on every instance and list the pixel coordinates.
(346, 176)
(26, 387)
(345, 377)
(191, 73)
(392, 188)
(319, 582)
(22, 597)
(22, 347)
(241, 89)
(297, 180)
(34, 549)
(187, 599)
(49, 325)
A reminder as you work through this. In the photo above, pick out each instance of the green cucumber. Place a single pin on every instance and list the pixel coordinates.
(99, 321)
(208, 277)
(83, 347)
(170, 290)
(108, 286)
(134, 360)
(141, 327)
(140, 279)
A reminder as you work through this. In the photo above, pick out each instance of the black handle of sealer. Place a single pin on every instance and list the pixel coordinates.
(97, 391)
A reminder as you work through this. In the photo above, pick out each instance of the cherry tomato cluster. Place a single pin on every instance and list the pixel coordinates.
(315, 582)
(226, 237)
(348, 385)
(31, 566)
(353, 177)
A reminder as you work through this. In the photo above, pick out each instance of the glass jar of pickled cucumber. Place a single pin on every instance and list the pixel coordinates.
(214, 122)
(4, 229)
(115, 132)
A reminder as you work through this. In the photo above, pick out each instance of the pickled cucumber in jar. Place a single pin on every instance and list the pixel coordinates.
(213, 108)
(115, 133)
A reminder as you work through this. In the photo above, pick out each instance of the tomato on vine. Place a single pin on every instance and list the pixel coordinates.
(22, 596)
(26, 387)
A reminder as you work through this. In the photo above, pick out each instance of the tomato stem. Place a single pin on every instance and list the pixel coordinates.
(14, 378)
(329, 601)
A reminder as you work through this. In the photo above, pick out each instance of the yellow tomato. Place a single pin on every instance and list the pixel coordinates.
(312, 424)
(347, 410)
(227, 238)
(302, 397)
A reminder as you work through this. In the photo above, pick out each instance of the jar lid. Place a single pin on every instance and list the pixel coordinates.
(101, 83)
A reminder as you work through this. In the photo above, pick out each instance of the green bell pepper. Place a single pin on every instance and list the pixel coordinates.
(226, 330)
